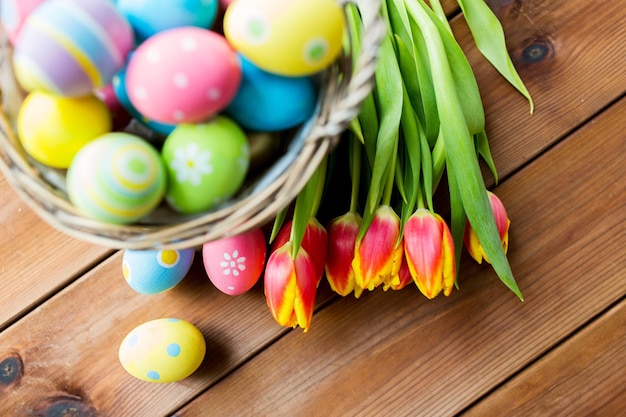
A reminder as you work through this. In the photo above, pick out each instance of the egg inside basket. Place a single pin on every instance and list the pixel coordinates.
(268, 187)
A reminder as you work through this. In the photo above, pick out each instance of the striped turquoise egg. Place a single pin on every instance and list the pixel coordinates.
(70, 47)
(117, 178)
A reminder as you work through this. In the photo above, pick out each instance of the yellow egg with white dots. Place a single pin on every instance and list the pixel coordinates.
(286, 37)
(162, 350)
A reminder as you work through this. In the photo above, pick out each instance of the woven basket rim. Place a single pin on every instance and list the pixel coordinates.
(346, 84)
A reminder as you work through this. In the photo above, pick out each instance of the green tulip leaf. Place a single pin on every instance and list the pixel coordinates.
(459, 147)
(490, 41)
(483, 150)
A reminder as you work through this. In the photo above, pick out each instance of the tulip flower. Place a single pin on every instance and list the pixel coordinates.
(342, 235)
(377, 256)
(290, 287)
(402, 279)
(314, 242)
(429, 252)
(470, 239)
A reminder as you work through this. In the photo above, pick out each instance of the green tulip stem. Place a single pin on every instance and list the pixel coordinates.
(356, 174)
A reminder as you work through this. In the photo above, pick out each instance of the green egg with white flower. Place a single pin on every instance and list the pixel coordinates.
(206, 164)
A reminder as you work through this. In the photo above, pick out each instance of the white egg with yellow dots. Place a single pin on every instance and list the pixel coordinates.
(162, 350)
(156, 271)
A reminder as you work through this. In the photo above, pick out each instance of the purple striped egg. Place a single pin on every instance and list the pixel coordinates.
(70, 47)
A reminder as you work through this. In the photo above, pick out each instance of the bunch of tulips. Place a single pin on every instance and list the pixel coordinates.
(424, 119)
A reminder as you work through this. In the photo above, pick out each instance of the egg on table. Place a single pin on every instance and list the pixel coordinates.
(70, 47)
(182, 75)
(117, 178)
(162, 350)
(235, 263)
(206, 164)
(53, 129)
(156, 271)
(286, 37)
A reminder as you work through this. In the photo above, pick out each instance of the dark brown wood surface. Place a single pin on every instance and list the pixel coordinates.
(65, 307)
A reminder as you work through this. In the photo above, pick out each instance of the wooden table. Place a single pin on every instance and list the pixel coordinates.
(64, 306)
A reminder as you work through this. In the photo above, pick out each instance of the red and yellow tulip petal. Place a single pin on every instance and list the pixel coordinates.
(449, 263)
(314, 241)
(280, 285)
(429, 252)
(342, 234)
(306, 289)
(290, 287)
(404, 277)
(470, 240)
(374, 253)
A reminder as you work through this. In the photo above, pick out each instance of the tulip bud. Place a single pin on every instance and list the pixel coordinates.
(470, 239)
(314, 242)
(342, 234)
(402, 279)
(377, 255)
(290, 287)
(429, 252)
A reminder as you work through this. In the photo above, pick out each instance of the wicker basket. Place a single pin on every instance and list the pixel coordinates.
(344, 86)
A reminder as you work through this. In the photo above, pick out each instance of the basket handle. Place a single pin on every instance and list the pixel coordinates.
(360, 78)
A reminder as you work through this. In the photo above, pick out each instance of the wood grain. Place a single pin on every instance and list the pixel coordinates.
(571, 56)
(388, 352)
(594, 358)
(397, 354)
(38, 260)
(68, 346)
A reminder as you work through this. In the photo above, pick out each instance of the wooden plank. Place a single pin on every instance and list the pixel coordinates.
(570, 56)
(68, 346)
(37, 259)
(397, 354)
(595, 359)
(236, 328)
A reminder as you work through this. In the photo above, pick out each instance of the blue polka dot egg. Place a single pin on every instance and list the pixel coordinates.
(162, 350)
(156, 271)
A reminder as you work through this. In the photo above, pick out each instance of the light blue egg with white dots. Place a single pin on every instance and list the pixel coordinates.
(156, 271)
(162, 350)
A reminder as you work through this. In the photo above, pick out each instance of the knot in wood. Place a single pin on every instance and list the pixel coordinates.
(537, 50)
(65, 406)
(11, 369)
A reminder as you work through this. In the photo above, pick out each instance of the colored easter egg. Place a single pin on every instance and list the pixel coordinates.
(70, 47)
(150, 17)
(120, 116)
(269, 102)
(119, 87)
(183, 75)
(13, 13)
(52, 129)
(116, 178)
(156, 271)
(206, 164)
(286, 37)
(162, 350)
(235, 263)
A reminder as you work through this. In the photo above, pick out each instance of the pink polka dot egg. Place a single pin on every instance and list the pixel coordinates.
(182, 75)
